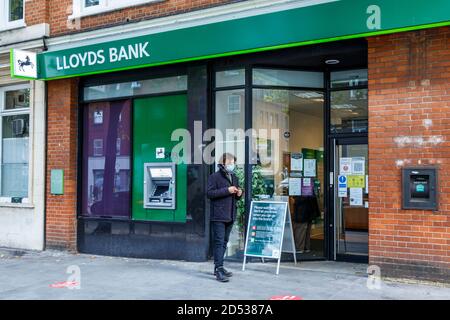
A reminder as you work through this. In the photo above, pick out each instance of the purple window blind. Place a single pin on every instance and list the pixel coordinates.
(106, 159)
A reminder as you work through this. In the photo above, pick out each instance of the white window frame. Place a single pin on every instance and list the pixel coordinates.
(5, 24)
(97, 144)
(232, 103)
(14, 112)
(118, 146)
(79, 9)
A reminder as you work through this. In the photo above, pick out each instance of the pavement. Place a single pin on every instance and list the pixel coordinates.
(62, 275)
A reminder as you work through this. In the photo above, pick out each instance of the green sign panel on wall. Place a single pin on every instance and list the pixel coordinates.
(57, 181)
(324, 22)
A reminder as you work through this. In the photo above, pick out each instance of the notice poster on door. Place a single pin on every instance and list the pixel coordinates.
(356, 181)
(307, 187)
(309, 168)
(342, 186)
(359, 166)
(295, 186)
(296, 161)
(345, 166)
(356, 196)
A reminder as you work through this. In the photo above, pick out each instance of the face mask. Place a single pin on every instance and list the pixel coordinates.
(230, 167)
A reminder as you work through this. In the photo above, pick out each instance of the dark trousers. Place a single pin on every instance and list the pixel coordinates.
(302, 235)
(221, 234)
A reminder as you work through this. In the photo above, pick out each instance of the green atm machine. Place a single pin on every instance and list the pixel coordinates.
(159, 181)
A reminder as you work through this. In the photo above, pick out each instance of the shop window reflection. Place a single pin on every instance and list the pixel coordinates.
(230, 137)
(287, 146)
(106, 159)
(349, 111)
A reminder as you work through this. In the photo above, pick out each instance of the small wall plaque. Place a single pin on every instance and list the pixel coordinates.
(57, 181)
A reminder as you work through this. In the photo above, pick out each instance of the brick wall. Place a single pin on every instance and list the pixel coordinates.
(61, 9)
(409, 124)
(62, 130)
(36, 11)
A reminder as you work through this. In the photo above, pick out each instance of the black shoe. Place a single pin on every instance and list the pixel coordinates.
(220, 275)
(225, 272)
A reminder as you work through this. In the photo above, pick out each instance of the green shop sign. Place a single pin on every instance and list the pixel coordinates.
(318, 23)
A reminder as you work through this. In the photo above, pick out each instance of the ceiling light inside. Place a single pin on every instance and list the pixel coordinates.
(332, 61)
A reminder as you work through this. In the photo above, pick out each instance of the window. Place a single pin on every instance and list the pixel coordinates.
(106, 159)
(83, 8)
(287, 158)
(287, 78)
(91, 3)
(136, 88)
(230, 78)
(349, 112)
(287, 147)
(234, 103)
(118, 145)
(11, 14)
(14, 151)
(98, 117)
(349, 102)
(17, 99)
(349, 78)
(230, 126)
(98, 147)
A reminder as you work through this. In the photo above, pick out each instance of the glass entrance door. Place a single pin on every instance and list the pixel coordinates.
(351, 199)
(289, 163)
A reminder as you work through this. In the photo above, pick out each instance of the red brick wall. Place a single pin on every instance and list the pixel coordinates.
(36, 11)
(409, 124)
(61, 9)
(62, 130)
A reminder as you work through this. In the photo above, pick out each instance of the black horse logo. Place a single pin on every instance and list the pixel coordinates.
(25, 63)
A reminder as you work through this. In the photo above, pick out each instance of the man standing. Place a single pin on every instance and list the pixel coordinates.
(224, 192)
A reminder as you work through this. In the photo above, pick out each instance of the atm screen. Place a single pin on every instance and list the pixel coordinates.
(420, 186)
(161, 172)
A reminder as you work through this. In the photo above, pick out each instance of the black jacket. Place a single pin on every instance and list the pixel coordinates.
(306, 209)
(223, 203)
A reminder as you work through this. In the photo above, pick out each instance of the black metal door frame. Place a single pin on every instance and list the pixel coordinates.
(333, 171)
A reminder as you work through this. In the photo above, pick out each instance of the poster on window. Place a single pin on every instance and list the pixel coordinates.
(295, 186)
(309, 167)
(345, 166)
(296, 161)
(98, 117)
(356, 196)
(308, 187)
(358, 166)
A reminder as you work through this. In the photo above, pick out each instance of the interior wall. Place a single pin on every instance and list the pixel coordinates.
(306, 131)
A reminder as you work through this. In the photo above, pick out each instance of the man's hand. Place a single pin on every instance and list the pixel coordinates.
(239, 192)
(233, 190)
